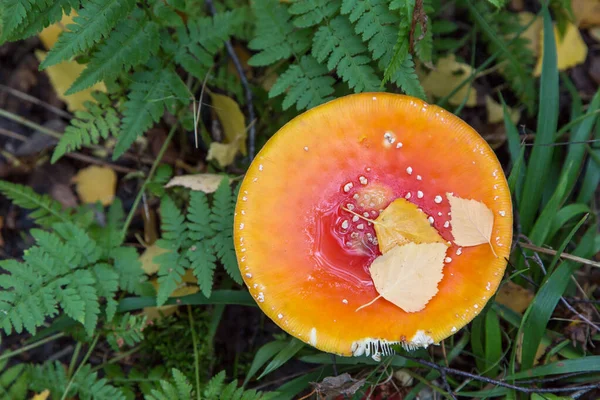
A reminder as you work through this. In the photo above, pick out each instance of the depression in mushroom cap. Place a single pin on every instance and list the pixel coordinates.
(312, 222)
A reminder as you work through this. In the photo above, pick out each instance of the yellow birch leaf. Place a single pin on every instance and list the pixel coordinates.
(96, 183)
(471, 222)
(408, 275)
(403, 222)
(532, 33)
(62, 77)
(41, 396)
(223, 153)
(571, 50)
(50, 34)
(232, 120)
(495, 112)
(446, 76)
(207, 183)
(514, 296)
(156, 313)
(147, 258)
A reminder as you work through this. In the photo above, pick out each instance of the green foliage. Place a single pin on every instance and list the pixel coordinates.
(125, 330)
(13, 381)
(179, 388)
(66, 269)
(197, 241)
(87, 128)
(85, 384)
(45, 210)
(94, 21)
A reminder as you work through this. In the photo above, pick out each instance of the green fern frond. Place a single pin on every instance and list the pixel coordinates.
(345, 52)
(312, 12)
(276, 37)
(202, 259)
(222, 222)
(498, 27)
(178, 389)
(129, 268)
(46, 211)
(63, 269)
(133, 41)
(150, 93)
(126, 330)
(87, 128)
(216, 389)
(306, 84)
(24, 18)
(86, 385)
(406, 78)
(13, 381)
(94, 21)
(197, 43)
(109, 236)
(172, 263)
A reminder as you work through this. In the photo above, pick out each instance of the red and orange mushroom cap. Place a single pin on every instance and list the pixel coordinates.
(305, 253)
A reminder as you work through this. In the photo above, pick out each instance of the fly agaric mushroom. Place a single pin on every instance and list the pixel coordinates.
(308, 207)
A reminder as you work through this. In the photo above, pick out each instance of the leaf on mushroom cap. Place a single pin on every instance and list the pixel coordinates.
(402, 222)
(408, 275)
(471, 220)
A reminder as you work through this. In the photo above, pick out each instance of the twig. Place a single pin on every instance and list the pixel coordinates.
(447, 385)
(29, 124)
(76, 156)
(138, 198)
(247, 91)
(566, 256)
(441, 369)
(30, 346)
(35, 100)
(196, 358)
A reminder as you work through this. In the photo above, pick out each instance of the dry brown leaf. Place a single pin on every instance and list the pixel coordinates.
(207, 183)
(471, 222)
(408, 275)
(514, 296)
(495, 112)
(446, 76)
(571, 50)
(403, 222)
(587, 12)
(232, 120)
(96, 183)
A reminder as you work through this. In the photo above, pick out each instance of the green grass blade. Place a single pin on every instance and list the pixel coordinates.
(262, 356)
(534, 322)
(585, 364)
(591, 178)
(493, 343)
(564, 244)
(577, 151)
(289, 351)
(564, 215)
(541, 155)
(238, 297)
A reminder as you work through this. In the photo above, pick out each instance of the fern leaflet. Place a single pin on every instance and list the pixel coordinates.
(306, 83)
(337, 42)
(13, 381)
(275, 37)
(131, 43)
(88, 128)
(126, 330)
(46, 211)
(86, 384)
(150, 92)
(94, 22)
(313, 12)
(180, 388)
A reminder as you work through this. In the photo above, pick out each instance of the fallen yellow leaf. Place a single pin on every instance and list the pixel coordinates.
(232, 120)
(96, 183)
(207, 183)
(408, 275)
(147, 258)
(447, 75)
(62, 77)
(403, 222)
(223, 153)
(495, 113)
(471, 222)
(50, 34)
(595, 33)
(571, 50)
(514, 296)
(41, 396)
(532, 33)
(156, 313)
